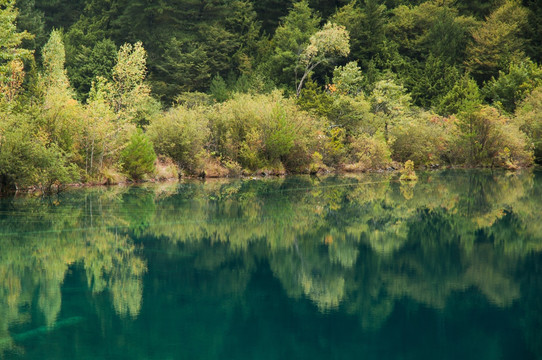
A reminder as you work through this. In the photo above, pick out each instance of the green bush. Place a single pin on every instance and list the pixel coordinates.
(309, 138)
(138, 157)
(424, 139)
(279, 135)
(260, 131)
(371, 152)
(511, 87)
(335, 150)
(529, 120)
(407, 172)
(312, 98)
(487, 138)
(27, 159)
(353, 114)
(193, 99)
(181, 134)
(464, 94)
(53, 168)
(219, 89)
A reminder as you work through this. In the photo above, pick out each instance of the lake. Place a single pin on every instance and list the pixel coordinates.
(335, 267)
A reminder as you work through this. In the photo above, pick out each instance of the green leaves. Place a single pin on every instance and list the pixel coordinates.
(291, 37)
(498, 41)
(54, 59)
(325, 45)
(279, 135)
(488, 138)
(529, 120)
(331, 41)
(89, 63)
(138, 157)
(27, 159)
(11, 39)
(348, 79)
(11, 53)
(181, 134)
(511, 87)
(389, 98)
(464, 95)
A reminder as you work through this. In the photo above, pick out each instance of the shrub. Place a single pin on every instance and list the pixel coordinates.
(352, 113)
(193, 99)
(529, 119)
(165, 169)
(487, 138)
(370, 152)
(335, 150)
(263, 131)
(26, 158)
(52, 168)
(110, 175)
(407, 172)
(138, 157)
(511, 87)
(308, 140)
(279, 135)
(424, 139)
(317, 164)
(181, 134)
(312, 98)
(219, 89)
(464, 94)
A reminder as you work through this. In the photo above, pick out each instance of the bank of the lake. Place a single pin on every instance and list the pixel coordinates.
(396, 171)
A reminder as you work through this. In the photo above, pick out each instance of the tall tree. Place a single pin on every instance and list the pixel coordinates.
(270, 12)
(60, 13)
(365, 22)
(433, 27)
(189, 41)
(61, 112)
(31, 20)
(390, 101)
(86, 64)
(10, 40)
(512, 86)
(324, 46)
(533, 33)
(327, 7)
(54, 59)
(130, 96)
(498, 41)
(478, 8)
(431, 82)
(90, 49)
(290, 39)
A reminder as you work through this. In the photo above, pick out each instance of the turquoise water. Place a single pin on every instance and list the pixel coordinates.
(343, 267)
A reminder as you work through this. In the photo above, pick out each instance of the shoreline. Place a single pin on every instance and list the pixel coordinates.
(258, 175)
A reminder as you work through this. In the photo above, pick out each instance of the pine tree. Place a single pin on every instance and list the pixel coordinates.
(138, 157)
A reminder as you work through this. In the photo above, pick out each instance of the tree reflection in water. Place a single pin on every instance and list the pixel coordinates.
(358, 245)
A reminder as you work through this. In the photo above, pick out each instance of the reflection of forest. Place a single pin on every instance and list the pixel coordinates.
(40, 239)
(359, 238)
(358, 243)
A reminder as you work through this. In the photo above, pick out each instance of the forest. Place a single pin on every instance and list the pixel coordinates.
(106, 91)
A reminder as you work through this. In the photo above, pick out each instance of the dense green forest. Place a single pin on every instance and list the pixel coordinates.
(101, 91)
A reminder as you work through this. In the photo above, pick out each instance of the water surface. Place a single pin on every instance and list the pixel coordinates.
(343, 267)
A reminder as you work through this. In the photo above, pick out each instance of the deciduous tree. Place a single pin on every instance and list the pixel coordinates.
(324, 46)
